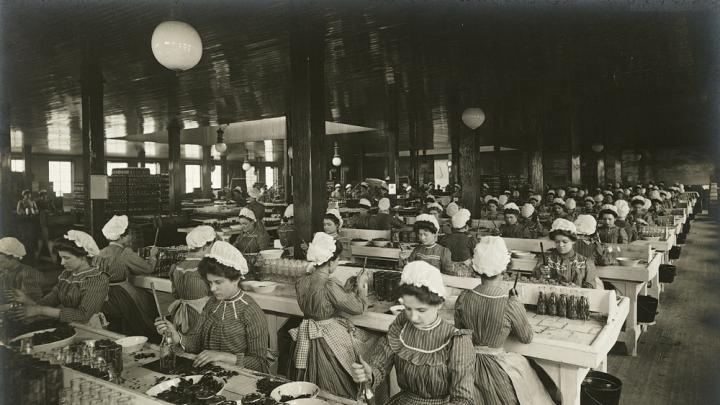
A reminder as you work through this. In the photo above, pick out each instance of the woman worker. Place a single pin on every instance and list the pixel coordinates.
(188, 286)
(512, 228)
(623, 209)
(426, 227)
(326, 342)
(434, 360)
(531, 220)
(15, 275)
(383, 220)
(501, 378)
(130, 310)
(589, 244)
(252, 237)
(563, 263)
(607, 230)
(460, 244)
(81, 289)
(232, 328)
(491, 209)
(286, 232)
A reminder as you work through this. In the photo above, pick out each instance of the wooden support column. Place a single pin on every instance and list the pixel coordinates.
(575, 147)
(600, 170)
(28, 157)
(93, 139)
(7, 206)
(224, 170)
(287, 162)
(307, 121)
(206, 171)
(618, 166)
(175, 165)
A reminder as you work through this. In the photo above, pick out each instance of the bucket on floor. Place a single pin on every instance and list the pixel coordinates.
(600, 388)
(667, 273)
(646, 308)
(686, 228)
(674, 252)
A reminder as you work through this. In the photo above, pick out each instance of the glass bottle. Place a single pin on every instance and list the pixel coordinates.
(551, 302)
(561, 305)
(167, 355)
(540, 304)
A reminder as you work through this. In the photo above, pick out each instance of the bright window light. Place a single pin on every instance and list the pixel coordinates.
(60, 174)
(193, 178)
(17, 165)
(216, 177)
(115, 165)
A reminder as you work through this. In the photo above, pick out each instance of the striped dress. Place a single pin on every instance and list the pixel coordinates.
(78, 295)
(571, 267)
(461, 247)
(629, 228)
(254, 241)
(129, 310)
(324, 349)
(492, 316)
(191, 291)
(437, 255)
(236, 326)
(613, 235)
(434, 365)
(517, 230)
(15, 275)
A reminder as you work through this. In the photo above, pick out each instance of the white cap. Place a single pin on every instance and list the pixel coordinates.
(428, 218)
(559, 201)
(321, 249)
(84, 241)
(623, 209)
(422, 274)
(489, 198)
(561, 193)
(365, 202)
(12, 247)
(511, 207)
(536, 197)
(452, 209)
(435, 206)
(502, 200)
(200, 236)
(460, 219)
(115, 227)
(561, 224)
(226, 254)
(254, 193)
(336, 214)
(585, 225)
(289, 211)
(570, 204)
(246, 212)
(527, 210)
(384, 204)
(490, 256)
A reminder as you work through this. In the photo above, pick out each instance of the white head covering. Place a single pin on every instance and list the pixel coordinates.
(561, 224)
(608, 192)
(551, 192)
(570, 204)
(460, 219)
(581, 193)
(422, 274)
(430, 197)
(12, 247)
(561, 193)
(228, 255)
(238, 188)
(365, 202)
(84, 241)
(321, 248)
(337, 215)
(585, 224)
(384, 204)
(512, 207)
(363, 184)
(588, 198)
(452, 209)
(436, 206)
(502, 200)
(655, 195)
(347, 186)
(536, 197)
(428, 218)
(491, 256)
(647, 204)
(115, 227)
(246, 212)
(254, 193)
(337, 186)
(289, 211)
(609, 207)
(598, 198)
(489, 198)
(200, 236)
(623, 209)
(527, 210)
(559, 201)
(637, 198)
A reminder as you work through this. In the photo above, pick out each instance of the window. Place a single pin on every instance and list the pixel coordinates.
(193, 178)
(115, 165)
(269, 176)
(154, 167)
(60, 176)
(250, 177)
(216, 177)
(192, 152)
(17, 165)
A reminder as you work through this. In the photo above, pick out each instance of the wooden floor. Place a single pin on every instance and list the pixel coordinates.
(678, 359)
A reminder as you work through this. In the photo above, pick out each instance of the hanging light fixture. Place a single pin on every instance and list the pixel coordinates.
(220, 145)
(246, 166)
(597, 147)
(336, 161)
(289, 152)
(176, 45)
(473, 117)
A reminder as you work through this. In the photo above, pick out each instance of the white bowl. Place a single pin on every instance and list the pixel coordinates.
(651, 238)
(628, 262)
(359, 242)
(307, 401)
(271, 254)
(396, 309)
(518, 254)
(295, 389)
(381, 243)
(132, 344)
(47, 347)
(264, 287)
(165, 385)
(247, 285)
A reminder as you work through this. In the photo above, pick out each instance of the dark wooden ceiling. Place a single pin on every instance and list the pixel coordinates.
(627, 76)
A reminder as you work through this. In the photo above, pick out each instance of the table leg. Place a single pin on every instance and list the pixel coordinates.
(631, 332)
(570, 379)
(654, 287)
(602, 366)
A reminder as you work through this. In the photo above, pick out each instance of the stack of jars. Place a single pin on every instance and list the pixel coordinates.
(28, 380)
(87, 392)
(385, 284)
(283, 270)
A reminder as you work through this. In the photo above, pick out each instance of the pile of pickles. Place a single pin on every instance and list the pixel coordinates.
(564, 306)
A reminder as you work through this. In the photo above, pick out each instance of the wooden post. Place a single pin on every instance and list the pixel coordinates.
(224, 170)
(93, 139)
(575, 147)
(618, 166)
(28, 157)
(307, 121)
(287, 162)
(175, 165)
(600, 170)
(7, 206)
(206, 170)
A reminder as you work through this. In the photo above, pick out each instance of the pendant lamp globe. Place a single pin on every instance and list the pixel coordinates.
(597, 147)
(473, 117)
(176, 45)
(246, 166)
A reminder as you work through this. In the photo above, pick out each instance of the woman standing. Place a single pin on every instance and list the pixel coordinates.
(15, 275)
(81, 289)
(460, 244)
(130, 310)
(513, 228)
(563, 263)
(286, 232)
(189, 287)
(28, 231)
(426, 227)
(492, 314)
(326, 342)
(434, 361)
(232, 328)
(253, 237)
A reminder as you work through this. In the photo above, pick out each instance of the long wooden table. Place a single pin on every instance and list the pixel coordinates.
(566, 349)
(138, 379)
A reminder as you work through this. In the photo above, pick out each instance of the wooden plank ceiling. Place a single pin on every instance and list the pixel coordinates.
(623, 77)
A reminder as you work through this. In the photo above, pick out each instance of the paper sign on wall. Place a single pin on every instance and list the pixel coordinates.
(98, 187)
(392, 189)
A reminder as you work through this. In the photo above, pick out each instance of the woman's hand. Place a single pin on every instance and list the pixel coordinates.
(19, 296)
(163, 327)
(361, 372)
(25, 312)
(362, 284)
(210, 356)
